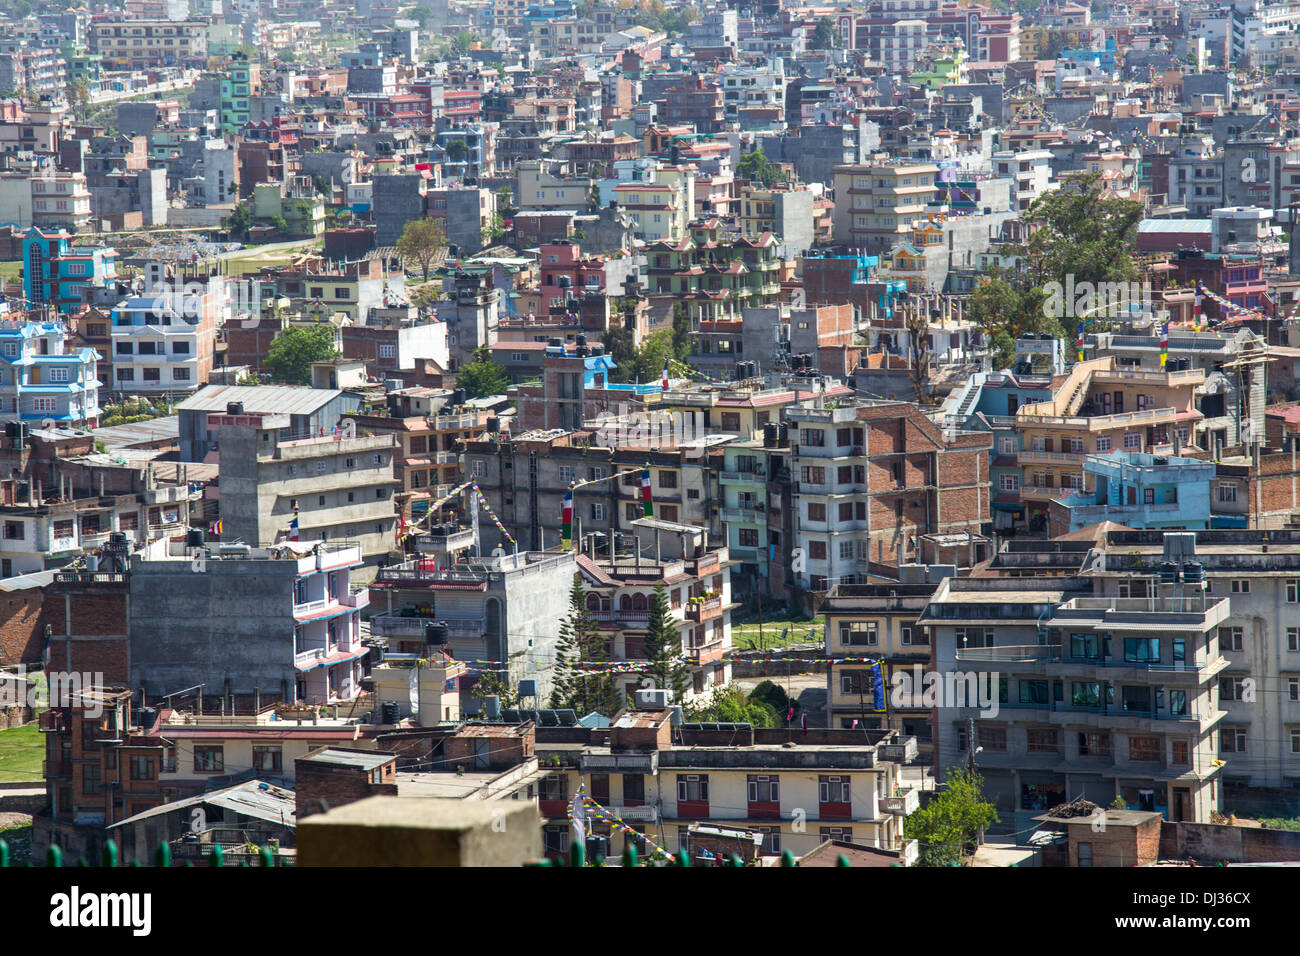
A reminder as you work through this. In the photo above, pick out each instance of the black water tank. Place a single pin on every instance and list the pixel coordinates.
(11, 429)
(771, 435)
(195, 538)
(581, 339)
(435, 632)
(458, 396)
(494, 425)
(784, 433)
(391, 712)
(117, 541)
(145, 717)
(1193, 572)
(1168, 572)
(234, 408)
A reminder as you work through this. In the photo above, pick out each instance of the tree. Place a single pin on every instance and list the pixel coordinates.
(78, 96)
(948, 825)
(290, 356)
(422, 241)
(681, 331)
(618, 340)
(281, 225)
(755, 167)
(823, 37)
(1075, 233)
(457, 151)
(239, 221)
(731, 705)
(918, 349)
(494, 230)
(494, 683)
(463, 41)
(663, 648)
(421, 15)
(773, 695)
(581, 640)
(323, 186)
(482, 377)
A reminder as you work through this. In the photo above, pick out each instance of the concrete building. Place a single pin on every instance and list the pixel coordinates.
(41, 379)
(869, 478)
(278, 485)
(311, 411)
(875, 205)
(164, 343)
(505, 609)
(1139, 491)
(1072, 694)
(294, 634)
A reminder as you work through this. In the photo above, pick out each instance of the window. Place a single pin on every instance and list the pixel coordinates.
(44, 405)
(15, 530)
(1230, 638)
(1179, 752)
(91, 779)
(1042, 741)
(58, 374)
(1144, 748)
(856, 683)
(991, 738)
(816, 511)
(1103, 443)
(1142, 650)
(1093, 744)
(1009, 482)
(142, 767)
(858, 633)
(1232, 688)
(813, 437)
(914, 637)
(1239, 586)
(567, 474)
(692, 788)
(1132, 441)
(597, 512)
(1293, 638)
(1292, 591)
(267, 758)
(764, 789)
(180, 375)
(387, 350)
(1232, 740)
(210, 759)
(667, 479)
(817, 550)
(747, 537)
(834, 790)
(1227, 493)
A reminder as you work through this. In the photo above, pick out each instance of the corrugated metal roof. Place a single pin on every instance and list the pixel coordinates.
(140, 433)
(1174, 225)
(285, 399)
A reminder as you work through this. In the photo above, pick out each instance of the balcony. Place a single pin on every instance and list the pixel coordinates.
(400, 626)
(642, 763)
(742, 515)
(745, 477)
(704, 610)
(1032, 456)
(356, 597)
(905, 802)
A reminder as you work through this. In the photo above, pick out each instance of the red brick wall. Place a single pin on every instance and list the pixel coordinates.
(336, 786)
(89, 630)
(22, 628)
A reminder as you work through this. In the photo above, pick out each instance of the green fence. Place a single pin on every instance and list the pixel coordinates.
(162, 857)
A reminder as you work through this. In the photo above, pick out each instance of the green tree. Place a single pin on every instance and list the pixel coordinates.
(482, 377)
(281, 225)
(755, 167)
(946, 828)
(494, 230)
(663, 648)
(1076, 232)
(78, 96)
(581, 640)
(457, 151)
(651, 355)
(731, 705)
(422, 242)
(681, 331)
(823, 37)
(495, 683)
(463, 41)
(290, 356)
(618, 342)
(773, 695)
(239, 221)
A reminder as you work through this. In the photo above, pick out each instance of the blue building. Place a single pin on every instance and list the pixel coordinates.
(55, 272)
(40, 380)
(1144, 492)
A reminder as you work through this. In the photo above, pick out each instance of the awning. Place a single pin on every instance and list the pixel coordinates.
(339, 657)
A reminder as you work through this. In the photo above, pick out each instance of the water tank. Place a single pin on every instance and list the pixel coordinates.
(492, 707)
(194, 538)
(11, 429)
(234, 408)
(598, 350)
(117, 541)
(92, 562)
(435, 632)
(145, 716)
(785, 433)
(528, 688)
(771, 435)
(1193, 572)
(580, 339)
(494, 424)
(1168, 572)
(457, 396)
(391, 713)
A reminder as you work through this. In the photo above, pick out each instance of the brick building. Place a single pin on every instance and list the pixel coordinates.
(335, 776)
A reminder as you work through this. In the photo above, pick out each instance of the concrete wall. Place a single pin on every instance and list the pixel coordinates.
(1212, 843)
(232, 621)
